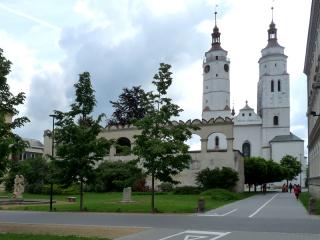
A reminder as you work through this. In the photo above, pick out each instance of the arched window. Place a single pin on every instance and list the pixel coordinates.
(216, 142)
(275, 120)
(279, 86)
(123, 146)
(272, 86)
(246, 149)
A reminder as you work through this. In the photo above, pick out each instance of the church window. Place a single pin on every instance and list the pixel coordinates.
(279, 86)
(243, 114)
(272, 86)
(275, 120)
(216, 142)
(216, 57)
(275, 64)
(250, 114)
(246, 149)
(216, 74)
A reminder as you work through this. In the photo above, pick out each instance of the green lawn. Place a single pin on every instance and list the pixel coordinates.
(110, 202)
(13, 236)
(304, 198)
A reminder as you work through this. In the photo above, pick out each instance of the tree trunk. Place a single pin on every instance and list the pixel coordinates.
(255, 188)
(81, 194)
(152, 194)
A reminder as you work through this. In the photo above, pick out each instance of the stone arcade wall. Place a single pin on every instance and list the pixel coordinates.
(208, 156)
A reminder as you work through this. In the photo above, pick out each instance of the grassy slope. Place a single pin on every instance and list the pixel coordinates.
(304, 198)
(13, 236)
(110, 202)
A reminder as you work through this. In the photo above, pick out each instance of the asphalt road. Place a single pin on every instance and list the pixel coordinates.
(270, 216)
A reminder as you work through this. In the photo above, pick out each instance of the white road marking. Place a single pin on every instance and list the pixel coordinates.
(218, 215)
(205, 234)
(265, 204)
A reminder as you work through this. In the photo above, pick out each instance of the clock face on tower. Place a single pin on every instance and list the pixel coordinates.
(226, 67)
(206, 68)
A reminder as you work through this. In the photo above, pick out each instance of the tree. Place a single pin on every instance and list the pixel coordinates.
(10, 143)
(114, 176)
(225, 178)
(78, 146)
(255, 171)
(129, 106)
(275, 172)
(160, 147)
(292, 167)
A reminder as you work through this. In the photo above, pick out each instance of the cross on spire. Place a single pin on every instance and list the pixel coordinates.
(215, 15)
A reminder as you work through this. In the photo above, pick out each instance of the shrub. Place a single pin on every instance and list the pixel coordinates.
(221, 194)
(186, 190)
(225, 178)
(166, 187)
(59, 189)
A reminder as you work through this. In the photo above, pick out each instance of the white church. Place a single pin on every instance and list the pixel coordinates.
(225, 138)
(267, 132)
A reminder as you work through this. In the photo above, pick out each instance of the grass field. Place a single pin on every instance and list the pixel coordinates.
(304, 198)
(13, 236)
(110, 202)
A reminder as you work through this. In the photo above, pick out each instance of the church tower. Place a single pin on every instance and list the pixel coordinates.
(216, 84)
(273, 101)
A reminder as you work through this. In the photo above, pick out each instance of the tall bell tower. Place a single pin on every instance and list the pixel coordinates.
(216, 83)
(273, 101)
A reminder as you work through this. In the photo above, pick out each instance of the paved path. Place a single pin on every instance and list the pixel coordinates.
(270, 216)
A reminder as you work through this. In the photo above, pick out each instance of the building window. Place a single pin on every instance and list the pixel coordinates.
(246, 149)
(275, 64)
(250, 114)
(242, 114)
(216, 57)
(206, 87)
(217, 75)
(279, 86)
(216, 142)
(272, 86)
(275, 120)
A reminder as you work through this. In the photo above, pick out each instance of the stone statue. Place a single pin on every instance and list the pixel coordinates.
(18, 186)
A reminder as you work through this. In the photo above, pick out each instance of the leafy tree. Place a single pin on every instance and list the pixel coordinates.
(292, 167)
(225, 178)
(10, 143)
(129, 107)
(255, 171)
(160, 147)
(35, 172)
(114, 176)
(76, 135)
(275, 172)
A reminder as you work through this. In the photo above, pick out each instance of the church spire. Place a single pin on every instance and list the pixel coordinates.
(215, 34)
(272, 32)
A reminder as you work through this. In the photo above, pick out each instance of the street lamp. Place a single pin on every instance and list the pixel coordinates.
(52, 154)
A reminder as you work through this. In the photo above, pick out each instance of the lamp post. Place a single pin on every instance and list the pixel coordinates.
(52, 154)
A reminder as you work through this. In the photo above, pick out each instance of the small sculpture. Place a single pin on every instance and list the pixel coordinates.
(18, 186)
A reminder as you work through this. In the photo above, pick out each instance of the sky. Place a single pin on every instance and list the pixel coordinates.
(122, 42)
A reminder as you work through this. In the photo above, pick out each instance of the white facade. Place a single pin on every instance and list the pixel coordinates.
(216, 83)
(265, 133)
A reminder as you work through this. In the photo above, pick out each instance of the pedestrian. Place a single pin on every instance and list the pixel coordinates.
(296, 191)
(264, 188)
(290, 187)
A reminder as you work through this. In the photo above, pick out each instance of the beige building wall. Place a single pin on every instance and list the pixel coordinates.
(206, 157)
(312, 70)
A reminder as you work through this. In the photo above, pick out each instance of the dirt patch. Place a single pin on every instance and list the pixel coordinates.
(65, 230)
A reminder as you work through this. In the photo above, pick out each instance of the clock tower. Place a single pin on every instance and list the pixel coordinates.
(216, 83)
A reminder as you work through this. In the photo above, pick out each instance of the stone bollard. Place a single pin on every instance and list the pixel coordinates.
(312, 205)
(201, 205)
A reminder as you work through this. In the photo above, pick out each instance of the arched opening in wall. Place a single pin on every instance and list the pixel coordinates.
(246, 149)
(272, 86)
(217, 142)
(275, 120)
(279, 85)
(123, 146)
(194, 143)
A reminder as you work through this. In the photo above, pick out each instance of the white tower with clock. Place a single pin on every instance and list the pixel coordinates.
(273, 101)
(216, 83)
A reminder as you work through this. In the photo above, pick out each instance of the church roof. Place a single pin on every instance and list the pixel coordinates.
(33, 143)
(286, 138)
(246, 107)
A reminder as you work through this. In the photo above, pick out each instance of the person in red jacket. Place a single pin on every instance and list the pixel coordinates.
(296, 190)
